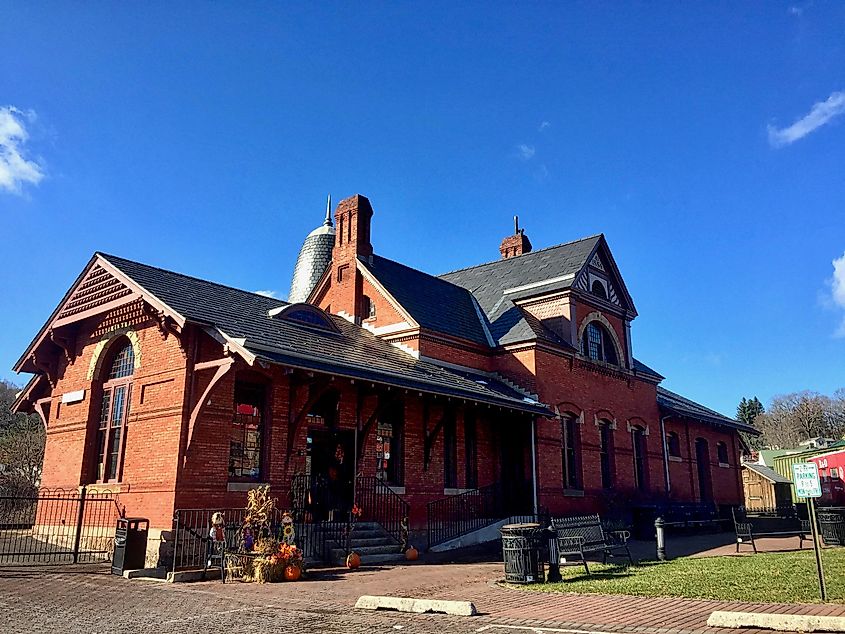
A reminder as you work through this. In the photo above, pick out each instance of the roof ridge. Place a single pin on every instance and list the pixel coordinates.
(190, 277)
(433, 277)
(522, 255)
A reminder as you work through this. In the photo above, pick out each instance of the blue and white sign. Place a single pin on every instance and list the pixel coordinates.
(805, 476)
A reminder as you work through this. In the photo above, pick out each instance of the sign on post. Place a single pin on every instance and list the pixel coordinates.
(805, 475)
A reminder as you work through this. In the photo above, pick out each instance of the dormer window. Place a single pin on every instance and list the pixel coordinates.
(304, 314)
(598, 345)
(599, 290)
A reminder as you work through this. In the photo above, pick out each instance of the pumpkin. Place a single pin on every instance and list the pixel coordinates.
(292, 573)
(353, 561)
(412, 554)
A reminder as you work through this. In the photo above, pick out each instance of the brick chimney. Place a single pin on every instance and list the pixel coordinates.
(517, 244)
(352, 240)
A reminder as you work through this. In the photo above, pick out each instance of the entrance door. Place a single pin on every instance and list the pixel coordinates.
(331, 471)
(702, 458)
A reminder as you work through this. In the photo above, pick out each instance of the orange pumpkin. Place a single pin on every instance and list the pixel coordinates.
(353, 561)
(412, 554)
(292, 573)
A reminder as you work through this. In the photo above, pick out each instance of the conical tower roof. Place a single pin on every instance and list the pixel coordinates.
(314, 256)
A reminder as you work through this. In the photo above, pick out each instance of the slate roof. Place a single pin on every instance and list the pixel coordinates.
(770, 474)
(677, 404)
(435, 304)
(488, 282)
(353, 352)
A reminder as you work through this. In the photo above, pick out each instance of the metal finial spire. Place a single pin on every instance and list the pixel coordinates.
(516, 225)
(328, 221)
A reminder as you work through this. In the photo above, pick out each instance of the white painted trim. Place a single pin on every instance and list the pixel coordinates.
(146, 295)
(526, 287)
(389, 329)
(406, 349)
(232, 344)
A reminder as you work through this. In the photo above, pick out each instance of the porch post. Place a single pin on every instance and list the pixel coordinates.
(534, 465)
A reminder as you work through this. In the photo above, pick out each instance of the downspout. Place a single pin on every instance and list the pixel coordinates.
(665, 455)
(534, 464)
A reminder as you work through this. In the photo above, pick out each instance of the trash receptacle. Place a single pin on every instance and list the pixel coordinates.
(521, 544)
(832, 525)
(130, 544)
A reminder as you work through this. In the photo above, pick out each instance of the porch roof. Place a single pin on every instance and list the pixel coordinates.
(353, 352)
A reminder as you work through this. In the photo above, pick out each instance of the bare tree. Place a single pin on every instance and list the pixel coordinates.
(792, 418)
(22, 439)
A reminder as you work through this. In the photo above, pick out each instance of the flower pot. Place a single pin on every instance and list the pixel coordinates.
(292, 573)
(353, 561)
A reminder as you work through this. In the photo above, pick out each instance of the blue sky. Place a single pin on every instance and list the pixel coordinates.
(706, 140)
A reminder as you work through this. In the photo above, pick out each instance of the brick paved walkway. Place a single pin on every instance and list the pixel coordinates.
(70, 599)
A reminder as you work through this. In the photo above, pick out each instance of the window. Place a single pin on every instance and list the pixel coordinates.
(369, 307)
(606, 454)
(598, 290)
(394, 473)
(673, 444)
(471, 450)
(450, 454)
(638, 445)
(597, 344)
(571, 466)
(722, 453)
(114, 411)
(246, 432)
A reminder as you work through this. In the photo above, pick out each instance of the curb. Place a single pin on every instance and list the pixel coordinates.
(777, 622)
(417, 606)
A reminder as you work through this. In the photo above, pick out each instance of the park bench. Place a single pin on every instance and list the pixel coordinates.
(750, 526)
(581, 535)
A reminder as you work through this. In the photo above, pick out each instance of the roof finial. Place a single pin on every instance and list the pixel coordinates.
(328, 220)
(516, 225)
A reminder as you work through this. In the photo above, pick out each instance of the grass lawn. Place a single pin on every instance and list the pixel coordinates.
(767, 577)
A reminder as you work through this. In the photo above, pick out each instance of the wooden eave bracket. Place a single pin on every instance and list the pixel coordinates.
(431, 436)
(222, 367)
(316, 389)
(41, 410)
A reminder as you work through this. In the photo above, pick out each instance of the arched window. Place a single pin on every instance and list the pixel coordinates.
(722, 453)
(673, 444)
(606, 453)
(638, 444)
(598, 345)
(599, 290)
(114, 411)
(571, 454)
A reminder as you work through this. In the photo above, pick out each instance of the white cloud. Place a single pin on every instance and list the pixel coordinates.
(15, 168)
(544, 125)
(796, 10)
(821, 113)
(272, 294)
(525, 152)
(837, 290)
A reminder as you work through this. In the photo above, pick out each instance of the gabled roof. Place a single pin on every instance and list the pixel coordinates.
(243, 318)
(435, 304)
(770, 474)
(498, 285)
(676, 404)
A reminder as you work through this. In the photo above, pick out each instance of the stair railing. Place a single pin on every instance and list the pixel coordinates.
(382, 505)
(457, 515)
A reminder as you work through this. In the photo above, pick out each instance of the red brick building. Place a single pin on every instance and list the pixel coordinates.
(515, 377)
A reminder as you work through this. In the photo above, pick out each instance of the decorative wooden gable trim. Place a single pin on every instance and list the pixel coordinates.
(601, 266)
(97, 292)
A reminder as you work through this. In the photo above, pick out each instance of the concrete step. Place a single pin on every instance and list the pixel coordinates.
(371, 541)
(368, 550)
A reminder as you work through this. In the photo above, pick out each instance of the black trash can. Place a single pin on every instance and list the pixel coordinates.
(130, 544)
(832, 525)
(521, 546)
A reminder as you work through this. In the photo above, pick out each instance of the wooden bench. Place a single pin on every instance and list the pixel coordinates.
(750, 526)
(581, 535)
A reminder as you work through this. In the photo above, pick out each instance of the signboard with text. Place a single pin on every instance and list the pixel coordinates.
(805, 476)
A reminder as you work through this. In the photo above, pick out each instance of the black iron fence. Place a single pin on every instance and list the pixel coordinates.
(380, 504)
(457, 515)
(57, 526)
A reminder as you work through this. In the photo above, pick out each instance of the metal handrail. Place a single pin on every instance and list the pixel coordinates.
(379, 503)
(457, 515)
